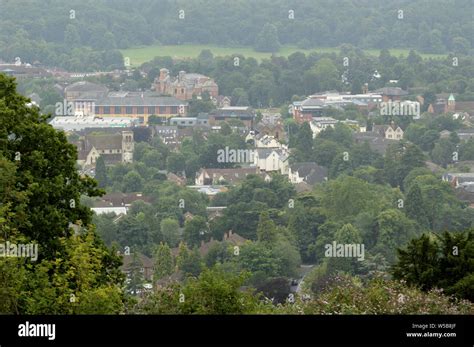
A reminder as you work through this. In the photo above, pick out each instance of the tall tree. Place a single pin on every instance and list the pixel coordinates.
(101, 172)
(266, 229)
(414, 205)
(267, 40)
(40, 199)
(163, 261)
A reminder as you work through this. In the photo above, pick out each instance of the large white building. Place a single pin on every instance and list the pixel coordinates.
(78, 123)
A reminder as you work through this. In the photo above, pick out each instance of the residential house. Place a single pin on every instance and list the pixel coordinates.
(145, 264)
(319, 124)
(390, 132)
(117, 203)
(272, 125)
(459, 179)
(309, 172)
(267, 141)
(221, 101)
(270, 159)
(233, 176)
(231, 238)
(376, 142)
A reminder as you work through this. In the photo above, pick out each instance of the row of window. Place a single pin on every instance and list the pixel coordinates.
(139, 110)
(110, 151)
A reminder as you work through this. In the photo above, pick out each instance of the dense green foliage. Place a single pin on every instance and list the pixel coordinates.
(78, 34)
(39, 197)
(443, 261)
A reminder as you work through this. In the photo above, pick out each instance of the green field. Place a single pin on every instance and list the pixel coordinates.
(140, 55)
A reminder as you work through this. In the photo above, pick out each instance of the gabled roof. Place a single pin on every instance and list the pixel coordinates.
(264, 153)
(143, 259)
(311, 172)
(106, 141)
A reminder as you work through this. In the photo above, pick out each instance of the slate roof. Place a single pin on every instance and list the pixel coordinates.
(376, 143)
(264, 153)
(391, 91)
(108, 141)
(311, 172)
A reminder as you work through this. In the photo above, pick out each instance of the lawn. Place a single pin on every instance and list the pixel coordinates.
(140, 55)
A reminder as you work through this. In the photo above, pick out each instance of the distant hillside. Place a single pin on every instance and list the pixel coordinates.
(50, 30)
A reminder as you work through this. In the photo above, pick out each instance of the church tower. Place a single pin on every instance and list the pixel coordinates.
(127, 146)
(451, 103)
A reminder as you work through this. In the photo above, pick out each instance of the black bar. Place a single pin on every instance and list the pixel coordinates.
(222, 330)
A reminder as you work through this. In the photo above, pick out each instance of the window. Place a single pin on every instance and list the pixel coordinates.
(141, 110)
(128, 109)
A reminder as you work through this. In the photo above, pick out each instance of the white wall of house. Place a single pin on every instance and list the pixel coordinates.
(267, 142)
(270, 163)
(317, 127)
(294, 176)
(396, 134)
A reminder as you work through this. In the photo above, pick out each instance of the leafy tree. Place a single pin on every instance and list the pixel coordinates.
(439, 261)
(414, 205)
(192, 265)
(132, 182)
(170, 231)
(101, 172)
(195, 230)
(443, 152)
(266, 229)
(304, 143)
(135, 276)
(163, 261)
(267, 39)
(40, 198)
(214, 292)
(183, 255)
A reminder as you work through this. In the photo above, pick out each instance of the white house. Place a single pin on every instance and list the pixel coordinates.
(310, 173)
(267, 141)
(391, 132)
(319, 124)
(270, 159)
